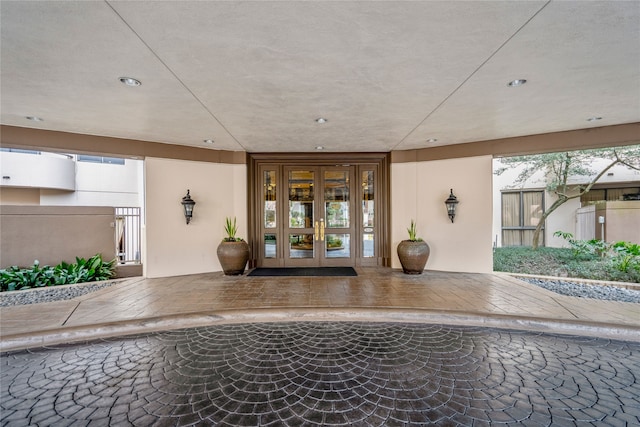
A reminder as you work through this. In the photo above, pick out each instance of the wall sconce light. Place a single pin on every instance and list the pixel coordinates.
(188, 204)
(452, 203)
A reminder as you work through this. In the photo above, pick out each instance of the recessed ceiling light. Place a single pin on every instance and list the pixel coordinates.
(432, 140)
(516, 83)
(130, 81)
(35, 118)
(319, 147)
(594, 119)
(321, 120)
(208, 141)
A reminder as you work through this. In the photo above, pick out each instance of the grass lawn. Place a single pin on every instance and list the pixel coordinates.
(561, 262)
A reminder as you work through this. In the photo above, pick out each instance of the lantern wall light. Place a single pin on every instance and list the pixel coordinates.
(188, 203)
(451, 203)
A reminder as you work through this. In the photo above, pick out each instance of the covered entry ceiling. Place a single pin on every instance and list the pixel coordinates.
(254, 76)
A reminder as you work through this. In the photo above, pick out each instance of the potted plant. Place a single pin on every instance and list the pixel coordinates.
(233, 252)
(413, 253)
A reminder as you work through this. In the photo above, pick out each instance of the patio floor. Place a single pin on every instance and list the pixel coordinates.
(139, 305)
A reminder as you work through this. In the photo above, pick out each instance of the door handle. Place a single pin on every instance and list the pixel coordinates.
(322, 230)
(316, 227)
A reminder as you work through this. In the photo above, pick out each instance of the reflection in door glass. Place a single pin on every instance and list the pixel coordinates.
(300, 214)
(368, 214)
(301, 246)
(336, 197)
(337, 246)
(269, 245)
(337, 214)
(367, 199)
(367, 246)
(269, 199)
(301, 199)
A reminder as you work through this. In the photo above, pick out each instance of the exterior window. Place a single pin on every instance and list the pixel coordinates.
(100, 159)
(521, 213)
(17, 150)
(610, 194)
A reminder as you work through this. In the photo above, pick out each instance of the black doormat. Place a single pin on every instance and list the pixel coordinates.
(304, 271)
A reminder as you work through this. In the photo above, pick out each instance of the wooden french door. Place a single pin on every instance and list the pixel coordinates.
(318, 223)
(309, 215)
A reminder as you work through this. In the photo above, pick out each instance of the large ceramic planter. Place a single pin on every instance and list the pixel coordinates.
(233, 257)
(413, 256)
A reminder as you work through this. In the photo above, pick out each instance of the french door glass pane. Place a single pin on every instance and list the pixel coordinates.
(301, 246)
(367, 246)
(337, 246)
(368, 195)
(269, 245)
(368, 213)
(336, 198)
(300, 214)
(301, 199)
(269, 214)
(270, 199)
(337, 214)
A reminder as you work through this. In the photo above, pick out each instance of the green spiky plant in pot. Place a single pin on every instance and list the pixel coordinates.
(414, 252)
(233, 252)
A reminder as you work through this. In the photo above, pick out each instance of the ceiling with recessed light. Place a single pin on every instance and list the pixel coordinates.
(257, 76)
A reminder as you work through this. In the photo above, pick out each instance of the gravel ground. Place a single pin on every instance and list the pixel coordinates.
(57, 293)
(610, 293)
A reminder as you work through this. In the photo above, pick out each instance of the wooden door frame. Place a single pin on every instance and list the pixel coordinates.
(254, 202)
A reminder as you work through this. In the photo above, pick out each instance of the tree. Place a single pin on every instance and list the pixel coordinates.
(561, 168)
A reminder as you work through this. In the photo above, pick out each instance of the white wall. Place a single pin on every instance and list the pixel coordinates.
(101, 184)
(173, 247)
(562, 219)
(46, 170)
(418, 191)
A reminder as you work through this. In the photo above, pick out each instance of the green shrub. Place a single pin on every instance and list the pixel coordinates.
(561, 262)
(14, 278)
(585, 248)
(627, 256)
(93, 269)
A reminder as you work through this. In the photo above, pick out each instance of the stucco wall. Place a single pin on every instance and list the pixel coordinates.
(52, 234)
(19, 196)
(173, 247)
(622, 221)
(418, 191)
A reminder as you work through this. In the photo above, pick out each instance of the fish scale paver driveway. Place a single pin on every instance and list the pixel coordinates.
(326, 373)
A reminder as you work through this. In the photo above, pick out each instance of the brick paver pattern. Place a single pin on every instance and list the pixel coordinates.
(325, 373)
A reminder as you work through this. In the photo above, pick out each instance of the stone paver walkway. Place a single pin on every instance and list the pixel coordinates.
(326, 373)
(380, 349)
(139, 305)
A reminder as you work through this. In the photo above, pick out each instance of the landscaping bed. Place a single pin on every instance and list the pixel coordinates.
(563, 263)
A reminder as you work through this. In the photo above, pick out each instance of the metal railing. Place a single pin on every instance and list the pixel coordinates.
(127, 235)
